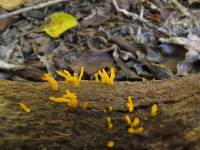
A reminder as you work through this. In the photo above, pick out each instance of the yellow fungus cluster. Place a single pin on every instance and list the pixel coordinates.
(24, 107)
(110, 125)
(130, 104)
(110, 144)
(72, 100)
(75, 79)
(69, 98)
(133, 124)
(154, 110)
(105, 77)
(51, 80)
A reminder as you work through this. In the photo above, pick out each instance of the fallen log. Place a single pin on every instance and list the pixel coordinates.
(52, 125)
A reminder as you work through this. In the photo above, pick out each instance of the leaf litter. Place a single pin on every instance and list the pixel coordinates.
(142, 39)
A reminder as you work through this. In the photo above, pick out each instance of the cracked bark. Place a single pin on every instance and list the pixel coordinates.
(54, 126)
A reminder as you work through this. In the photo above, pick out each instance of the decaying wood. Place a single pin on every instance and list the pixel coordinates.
(52, 125)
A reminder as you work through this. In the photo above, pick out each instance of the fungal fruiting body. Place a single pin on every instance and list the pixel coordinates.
(96, 77)
(110, 144)
(24, 107)
(130, 104)
(69, 98)
(132, 130)
(133, 124)
(59, 99)
(128, 119)
(73, 101)
(51, 80)
(154, 110)
(75, 79)
(105, 77)
(110, 125)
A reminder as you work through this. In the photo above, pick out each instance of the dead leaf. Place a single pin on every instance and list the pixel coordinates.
(11, 4)
(58, 23)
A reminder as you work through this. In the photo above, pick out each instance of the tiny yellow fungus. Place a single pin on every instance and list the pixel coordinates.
(128, 119)
(24, 107)
(73, 101)
(154, 110)
(70, 95)
(132, 130)
(59, 99)
(51, 80)
(75, 79)
(110, 144)
(69, 98)
(104, 76)
(110, 108)
(85, 105)
(96, 77)
(110, 125)
(143, 79)
(135, 122)
(139, 130)
(81, 73)
(130, 104)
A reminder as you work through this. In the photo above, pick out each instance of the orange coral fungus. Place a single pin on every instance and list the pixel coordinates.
(105, 77)
(110, 144)
(133, 124)
(73, 101)
(110, 125)
(154, 110)
(75, 79)
(24, 107)
(51, 80)
(130, 104)
(69, 98)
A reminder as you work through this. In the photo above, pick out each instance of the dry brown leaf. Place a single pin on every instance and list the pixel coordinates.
(11, 4)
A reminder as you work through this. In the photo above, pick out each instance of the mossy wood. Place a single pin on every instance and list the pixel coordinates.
(52, 125)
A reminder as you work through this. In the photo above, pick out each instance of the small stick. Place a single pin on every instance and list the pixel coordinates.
(181, 8)
(39, 6)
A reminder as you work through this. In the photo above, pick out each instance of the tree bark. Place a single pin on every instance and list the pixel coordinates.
(52, 125)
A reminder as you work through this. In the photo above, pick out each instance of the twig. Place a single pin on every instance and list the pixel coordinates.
(39, 6)
(181, 8)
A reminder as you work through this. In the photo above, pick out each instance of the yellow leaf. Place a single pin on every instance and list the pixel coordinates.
(11, 4)
(58, 23)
